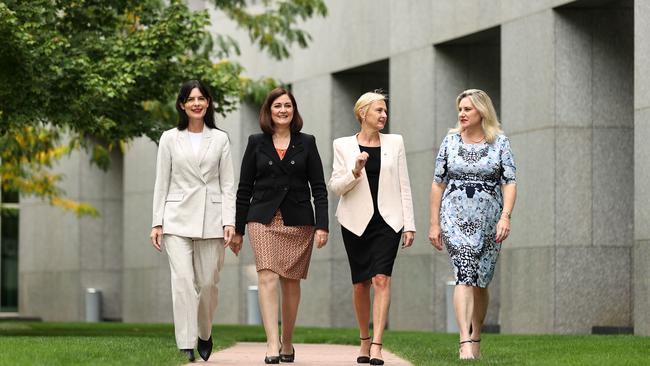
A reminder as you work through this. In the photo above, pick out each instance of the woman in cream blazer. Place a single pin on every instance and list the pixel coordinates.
(194, 214)
(375, 211)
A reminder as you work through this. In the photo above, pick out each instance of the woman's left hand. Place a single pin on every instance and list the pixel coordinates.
(320, 237)
(503, 229)
(408, 237)
(231, 239)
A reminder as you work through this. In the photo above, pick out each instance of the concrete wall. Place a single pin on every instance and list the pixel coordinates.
(565, 88)
(641, 259)
(146, 287)
(60, 255)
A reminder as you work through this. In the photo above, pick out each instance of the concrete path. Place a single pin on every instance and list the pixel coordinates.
(306, 354)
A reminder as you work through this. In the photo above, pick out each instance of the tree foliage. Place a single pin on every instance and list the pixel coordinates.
(107, 71)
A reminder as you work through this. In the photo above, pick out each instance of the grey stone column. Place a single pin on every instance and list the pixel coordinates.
(62, 254)
(566, 83)
(146, 290)
(239, 271)
(417, 287)
(641, 168)
(326, 293)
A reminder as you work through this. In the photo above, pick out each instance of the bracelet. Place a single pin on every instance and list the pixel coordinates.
(506, 214)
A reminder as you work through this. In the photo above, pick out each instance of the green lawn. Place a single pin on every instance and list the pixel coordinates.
(153, 344)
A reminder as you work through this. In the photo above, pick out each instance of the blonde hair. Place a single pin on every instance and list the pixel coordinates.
(364, 102)
(483, 103)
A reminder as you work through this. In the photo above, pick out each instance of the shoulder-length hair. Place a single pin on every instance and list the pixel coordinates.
(483, 103)
(184, 93)
(266, 120)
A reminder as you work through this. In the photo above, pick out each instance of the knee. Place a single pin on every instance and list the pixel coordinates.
(381, 282)
(267, 278)
(361, 287)
(207, 281)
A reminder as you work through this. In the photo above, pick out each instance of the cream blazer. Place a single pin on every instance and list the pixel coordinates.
(194, 195)
(355, 207)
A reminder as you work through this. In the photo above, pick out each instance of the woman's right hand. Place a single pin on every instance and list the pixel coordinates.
(435, 236)
(156, 237)
(236, 243)
(360, 163)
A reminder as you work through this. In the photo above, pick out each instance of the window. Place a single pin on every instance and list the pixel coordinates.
(9, 215)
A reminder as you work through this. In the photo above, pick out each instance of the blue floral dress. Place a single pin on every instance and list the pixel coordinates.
(472, 203)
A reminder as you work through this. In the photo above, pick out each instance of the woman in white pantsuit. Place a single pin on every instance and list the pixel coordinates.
(194, 214)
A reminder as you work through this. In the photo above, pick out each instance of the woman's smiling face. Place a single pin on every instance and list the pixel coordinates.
(196, 105)
(282, 111)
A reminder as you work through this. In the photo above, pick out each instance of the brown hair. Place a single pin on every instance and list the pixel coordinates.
(266, 121)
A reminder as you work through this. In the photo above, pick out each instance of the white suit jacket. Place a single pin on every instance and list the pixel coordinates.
(355, 207)
(194, 196)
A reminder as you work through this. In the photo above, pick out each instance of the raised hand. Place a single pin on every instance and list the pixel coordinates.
(360, 163)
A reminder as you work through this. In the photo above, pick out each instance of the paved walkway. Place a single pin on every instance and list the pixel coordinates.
(306, 354)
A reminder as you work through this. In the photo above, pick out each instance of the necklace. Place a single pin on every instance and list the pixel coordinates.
(475, 141)
(281, 142)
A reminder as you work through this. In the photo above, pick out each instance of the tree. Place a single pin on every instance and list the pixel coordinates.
(102, 72)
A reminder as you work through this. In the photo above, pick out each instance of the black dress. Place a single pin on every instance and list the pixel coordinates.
(375, 250)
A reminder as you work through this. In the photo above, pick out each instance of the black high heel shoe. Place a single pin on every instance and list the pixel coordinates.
(288, 358)
(374, 360)
(271, 359)
(364, 359)
(204, 348)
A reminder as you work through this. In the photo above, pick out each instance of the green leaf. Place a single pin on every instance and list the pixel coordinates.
(107, 71)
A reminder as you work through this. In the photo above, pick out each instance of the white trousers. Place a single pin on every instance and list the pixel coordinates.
(195, 265)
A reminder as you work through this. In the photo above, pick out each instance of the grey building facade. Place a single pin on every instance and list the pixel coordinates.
(572, 88)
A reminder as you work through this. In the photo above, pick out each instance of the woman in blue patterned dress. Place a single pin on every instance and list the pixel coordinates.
(472, 197)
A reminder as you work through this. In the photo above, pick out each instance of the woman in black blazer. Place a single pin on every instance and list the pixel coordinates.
(278, 169)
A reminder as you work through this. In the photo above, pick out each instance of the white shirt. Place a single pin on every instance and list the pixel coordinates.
(195, 139)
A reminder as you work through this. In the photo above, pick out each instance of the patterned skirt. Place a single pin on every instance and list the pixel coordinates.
(285, 250)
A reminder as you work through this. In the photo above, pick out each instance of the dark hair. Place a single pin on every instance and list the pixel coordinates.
(184, 93)
(266, 121)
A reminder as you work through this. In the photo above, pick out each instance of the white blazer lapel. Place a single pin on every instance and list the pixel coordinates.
(355, 151)
(186, 147)
(386, 155)
(208, 138)
(205, 143)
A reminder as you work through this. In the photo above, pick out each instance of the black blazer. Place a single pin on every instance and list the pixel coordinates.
(267, 183)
